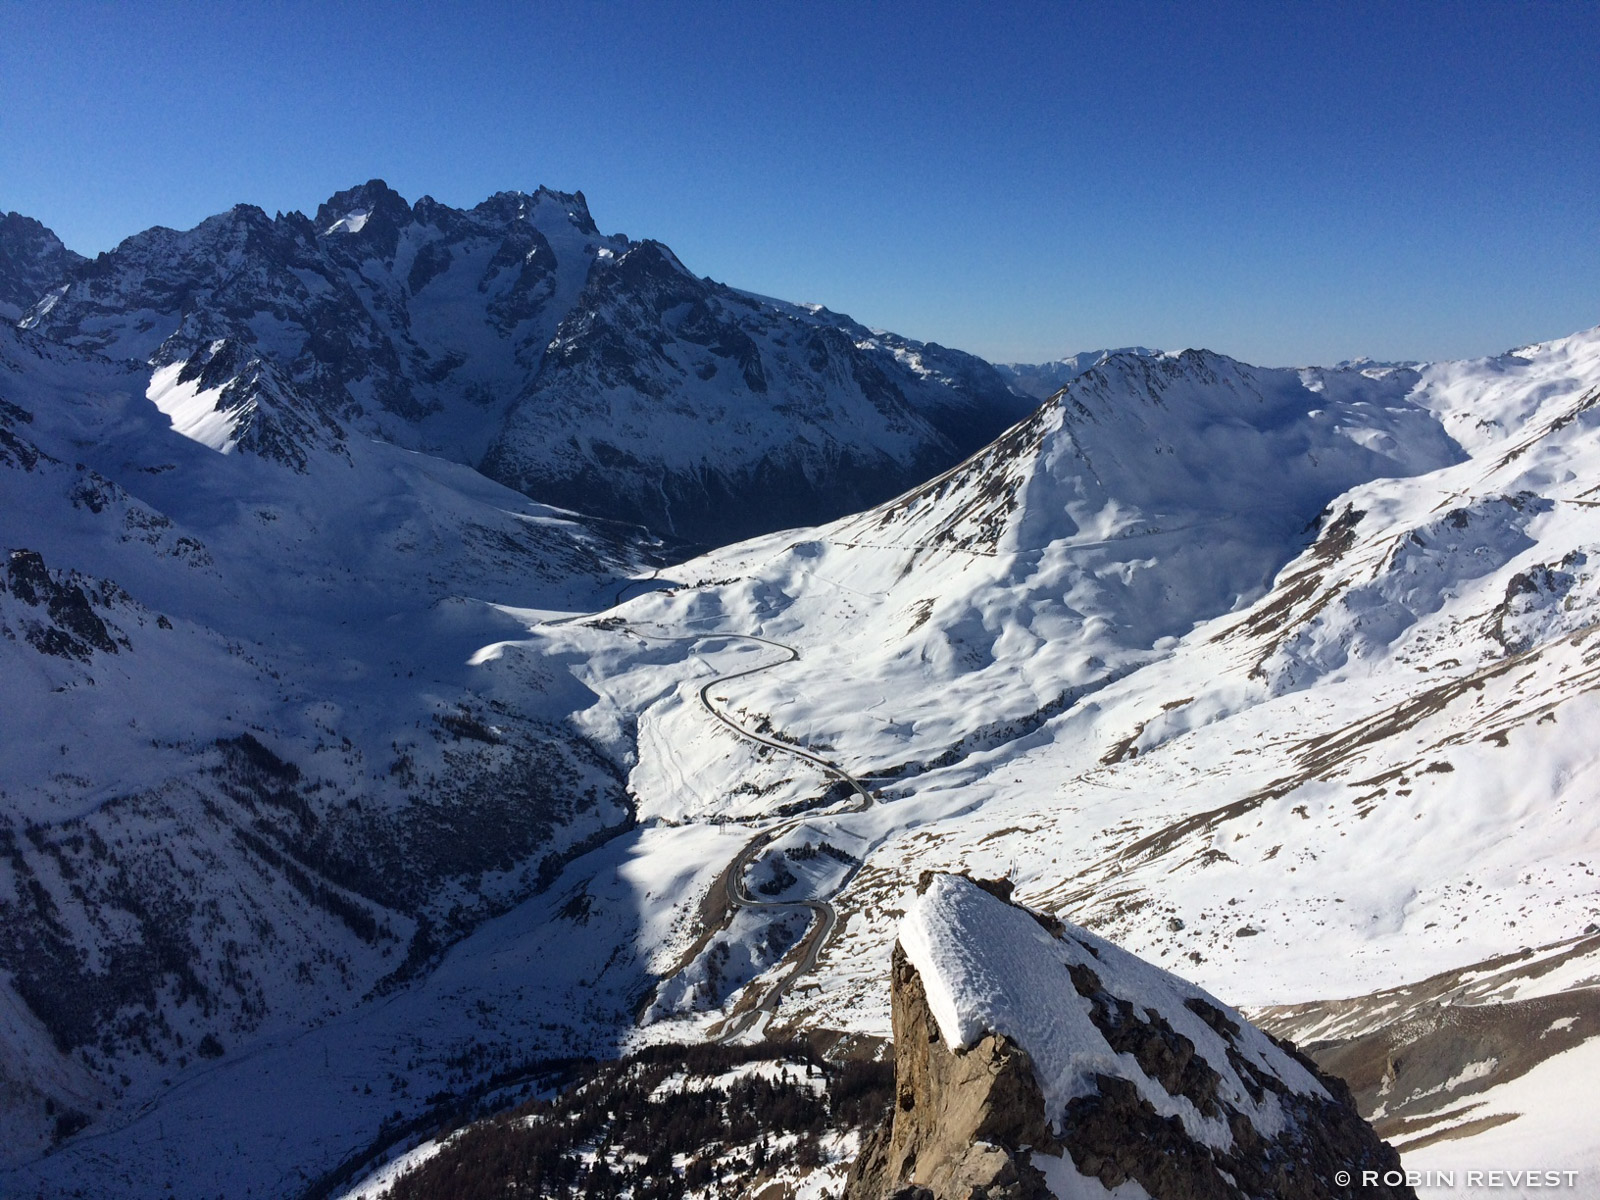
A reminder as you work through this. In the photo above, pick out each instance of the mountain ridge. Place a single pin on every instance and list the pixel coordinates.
(32, 259)
(1183, 651)
(515, 337)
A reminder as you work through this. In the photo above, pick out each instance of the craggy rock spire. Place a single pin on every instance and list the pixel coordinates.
(1034, 1059)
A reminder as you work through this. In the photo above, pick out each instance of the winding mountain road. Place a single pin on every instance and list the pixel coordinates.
(821, 909)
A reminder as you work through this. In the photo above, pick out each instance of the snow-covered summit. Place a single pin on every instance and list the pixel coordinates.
(1137, 442)
(586, 369)
(32, 260)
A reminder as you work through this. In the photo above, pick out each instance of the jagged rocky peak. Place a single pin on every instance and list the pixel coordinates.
(372, 205)
(1034, 1059)
(643, 288)
(672, 399)
(524, 206)
(241, 236)
(32, 261)
(586, 370)
(377, 213)
(334, 303)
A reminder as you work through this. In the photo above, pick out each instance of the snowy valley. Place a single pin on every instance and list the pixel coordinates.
(440, 642)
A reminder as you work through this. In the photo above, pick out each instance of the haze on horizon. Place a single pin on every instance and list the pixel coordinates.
(1023, 181)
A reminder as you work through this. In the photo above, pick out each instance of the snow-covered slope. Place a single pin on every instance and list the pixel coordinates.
(1152, 494)
(1040, 381)
(1502, 1045)
(248, 772)
(1186, 653)
(1276, 676)
(596, 372)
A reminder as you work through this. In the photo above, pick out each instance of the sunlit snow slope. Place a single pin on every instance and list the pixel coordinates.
(1281, 677)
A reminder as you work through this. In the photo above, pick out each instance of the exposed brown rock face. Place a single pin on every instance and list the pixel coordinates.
(972, 1124)
(1404, 1050)
(959, 1119)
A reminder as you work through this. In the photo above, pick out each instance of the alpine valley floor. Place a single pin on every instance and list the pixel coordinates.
(1280, 678)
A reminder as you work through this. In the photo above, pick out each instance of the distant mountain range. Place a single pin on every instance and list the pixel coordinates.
(1040, 381)
(588, 371)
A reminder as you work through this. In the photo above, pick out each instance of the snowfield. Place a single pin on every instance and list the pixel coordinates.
(1343, 772)
(349, 760)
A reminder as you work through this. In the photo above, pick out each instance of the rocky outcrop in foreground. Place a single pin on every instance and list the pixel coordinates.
(1034, 1059)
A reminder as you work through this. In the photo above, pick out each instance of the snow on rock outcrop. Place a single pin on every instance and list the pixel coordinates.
(230, 401)
(1034, 1059)
(680, 1122)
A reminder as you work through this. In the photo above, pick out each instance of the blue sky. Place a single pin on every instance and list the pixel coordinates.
(1284, 182)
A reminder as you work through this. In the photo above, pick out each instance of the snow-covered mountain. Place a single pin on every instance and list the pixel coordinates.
(586, 370)
(1273, 675)
(338, 788)
(1034, 1059)
(249, 773)
(1040, 381)
(710, 413)
(1152, 494)
(420, 322)
(32, 260)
